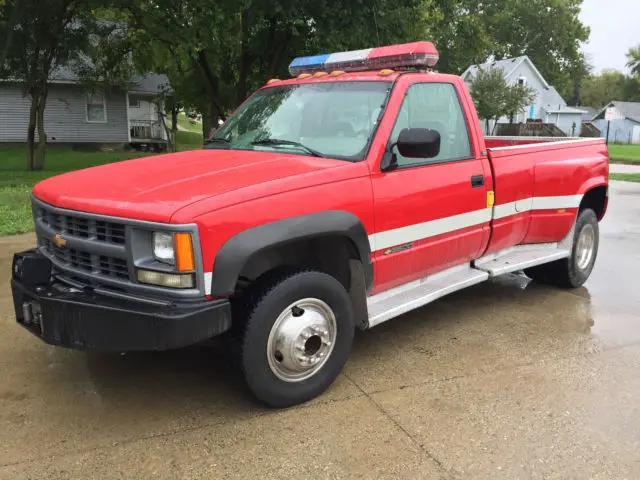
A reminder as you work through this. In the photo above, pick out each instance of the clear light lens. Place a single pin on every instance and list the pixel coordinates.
(170, 280)
(163, 249)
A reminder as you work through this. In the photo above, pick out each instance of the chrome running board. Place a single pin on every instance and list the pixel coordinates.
(520, 257)
(391, 303)
(524, 256)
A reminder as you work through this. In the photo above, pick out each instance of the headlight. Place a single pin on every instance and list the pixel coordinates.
(163, 249)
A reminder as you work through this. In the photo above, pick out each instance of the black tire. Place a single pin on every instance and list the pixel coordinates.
(260, 308)
(566, 273)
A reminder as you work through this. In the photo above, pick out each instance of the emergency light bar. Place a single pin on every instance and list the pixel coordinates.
(416, 54)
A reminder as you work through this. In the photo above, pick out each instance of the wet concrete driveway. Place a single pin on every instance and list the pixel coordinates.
(499, 381)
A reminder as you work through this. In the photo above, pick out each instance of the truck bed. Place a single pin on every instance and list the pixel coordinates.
(538, 186)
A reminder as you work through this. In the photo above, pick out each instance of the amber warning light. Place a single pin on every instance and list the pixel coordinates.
(416, 54)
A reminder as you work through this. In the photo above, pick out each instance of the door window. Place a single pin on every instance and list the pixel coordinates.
(435, 106)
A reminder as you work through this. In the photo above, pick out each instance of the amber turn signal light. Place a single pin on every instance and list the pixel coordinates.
(184, 252)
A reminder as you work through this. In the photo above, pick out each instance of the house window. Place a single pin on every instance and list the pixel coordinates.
(522, 81)
(96, 108)
(134, 102)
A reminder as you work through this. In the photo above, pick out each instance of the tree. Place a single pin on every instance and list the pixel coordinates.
(631, 91)
(41, 37)
(516, 98)
(489, 93)
(599, 90)
(580, 70)
(548, 31)
(215, 53)
(494, 98)
(633, 58)
(457, 29)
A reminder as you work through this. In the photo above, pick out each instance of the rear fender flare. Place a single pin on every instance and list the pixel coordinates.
(238, 250)
(590, 184)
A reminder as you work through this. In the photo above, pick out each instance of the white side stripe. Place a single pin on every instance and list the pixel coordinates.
(411, 233)
(552, 203)
(432, 228)
(504, 210)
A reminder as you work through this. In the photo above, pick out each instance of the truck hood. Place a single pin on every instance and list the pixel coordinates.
(154, 188)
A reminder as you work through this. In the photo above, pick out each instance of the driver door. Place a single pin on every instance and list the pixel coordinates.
(430, 213)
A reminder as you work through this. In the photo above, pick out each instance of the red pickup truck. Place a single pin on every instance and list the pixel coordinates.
(355, 191)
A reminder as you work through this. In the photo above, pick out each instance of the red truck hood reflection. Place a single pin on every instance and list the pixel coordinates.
(154, 188)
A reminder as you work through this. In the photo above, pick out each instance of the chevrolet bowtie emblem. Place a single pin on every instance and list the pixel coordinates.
(58, 241)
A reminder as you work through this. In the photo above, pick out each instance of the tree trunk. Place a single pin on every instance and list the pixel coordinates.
(275, 60)
(211, 117)
(42, 136)
(174, 124)
(245, 59)
(165, 127)
(486, 126)
(495, 124)
(174, 118)
(31, 134)
(210, 120)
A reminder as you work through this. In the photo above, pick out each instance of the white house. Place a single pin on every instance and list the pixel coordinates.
(76, 116)
(548, 105)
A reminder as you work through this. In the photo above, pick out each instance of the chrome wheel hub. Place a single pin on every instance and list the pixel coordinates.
(585, 247)
(301, 340)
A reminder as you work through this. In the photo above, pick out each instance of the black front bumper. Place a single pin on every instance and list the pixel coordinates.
(87, 320)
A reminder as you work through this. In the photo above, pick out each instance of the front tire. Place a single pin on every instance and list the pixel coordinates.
(295, 336)
(573, 271)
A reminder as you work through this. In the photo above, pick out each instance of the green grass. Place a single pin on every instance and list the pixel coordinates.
(16, 183)
(188, 124)
(628, 154)
(626, 177)
(189, 140)
(15, 210)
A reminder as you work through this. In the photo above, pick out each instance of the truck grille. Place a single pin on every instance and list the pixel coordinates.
(77, 226)
(91, 263)
(93, 246)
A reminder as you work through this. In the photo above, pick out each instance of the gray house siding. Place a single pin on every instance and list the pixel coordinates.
(565, 122)
(65, 116)
(622, 130)
(533, 81)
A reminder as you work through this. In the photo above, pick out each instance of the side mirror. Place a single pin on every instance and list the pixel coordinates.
(418, 143)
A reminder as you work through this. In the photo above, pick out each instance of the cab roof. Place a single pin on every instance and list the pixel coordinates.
(389, 76)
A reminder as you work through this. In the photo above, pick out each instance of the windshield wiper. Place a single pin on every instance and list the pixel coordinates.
(276, 141)
(217, 140)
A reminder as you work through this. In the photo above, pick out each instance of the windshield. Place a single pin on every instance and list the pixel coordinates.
(328, 119)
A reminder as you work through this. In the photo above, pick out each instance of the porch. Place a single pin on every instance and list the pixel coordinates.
(146, 130)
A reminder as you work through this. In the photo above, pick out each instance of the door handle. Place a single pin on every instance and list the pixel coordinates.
(477, 181)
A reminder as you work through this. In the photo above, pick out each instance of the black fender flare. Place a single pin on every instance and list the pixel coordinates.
(238, 250)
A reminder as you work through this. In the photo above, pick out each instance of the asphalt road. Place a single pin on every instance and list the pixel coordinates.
(499, 381)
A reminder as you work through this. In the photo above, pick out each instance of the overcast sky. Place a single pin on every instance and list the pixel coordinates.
(615, 27)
